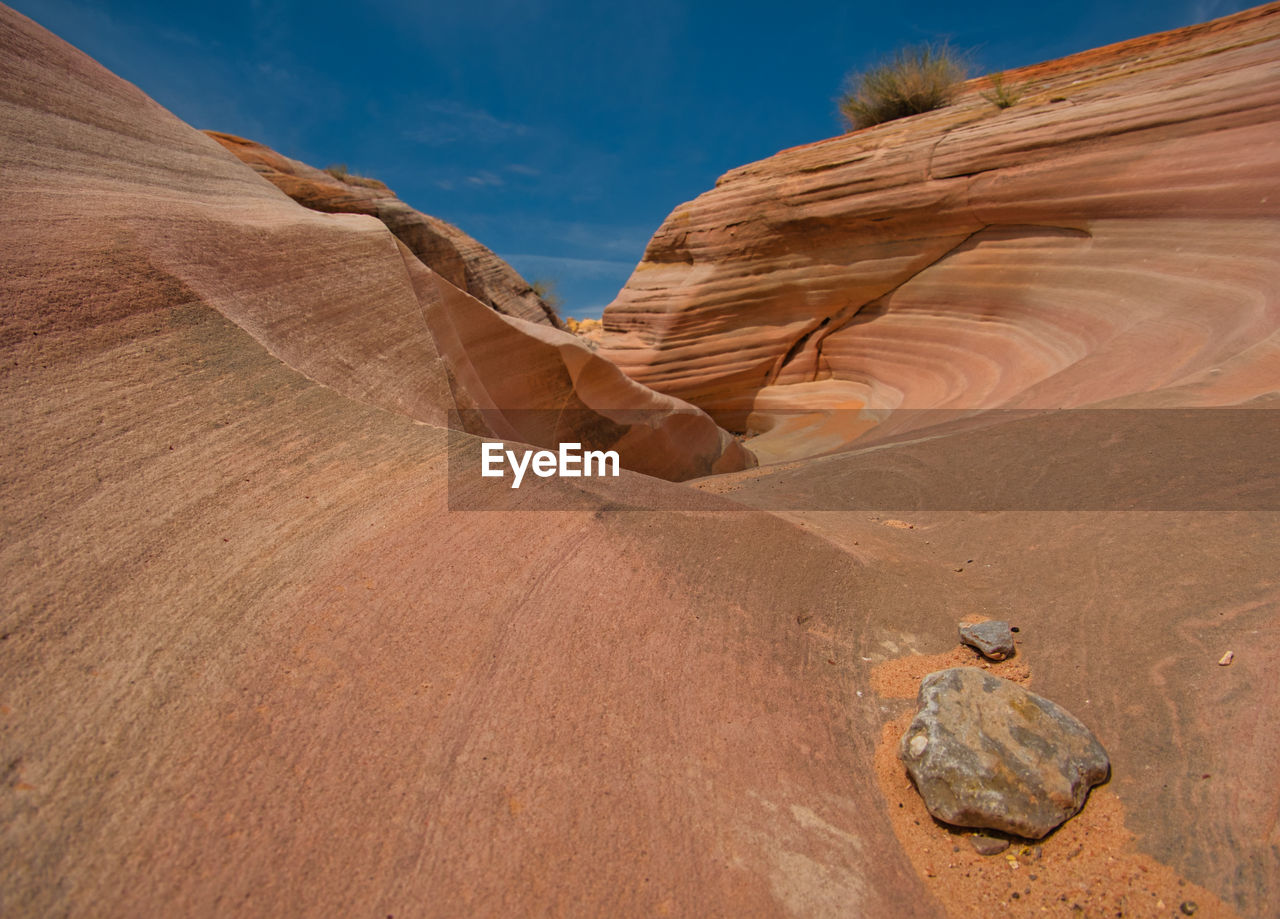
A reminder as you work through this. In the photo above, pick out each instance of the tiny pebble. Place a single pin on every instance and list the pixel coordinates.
(1224, 661)
(1188, 907)
(992, 639)
(985, 844)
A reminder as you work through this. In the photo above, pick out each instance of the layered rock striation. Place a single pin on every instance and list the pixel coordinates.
(1111, 236)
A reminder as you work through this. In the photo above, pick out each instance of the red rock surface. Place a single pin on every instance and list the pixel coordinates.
(458, 258)
(254, 665)
(1111, 236)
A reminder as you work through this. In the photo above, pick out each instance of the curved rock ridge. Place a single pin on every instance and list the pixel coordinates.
(82, 150)
(458, 258)
(1112, 236)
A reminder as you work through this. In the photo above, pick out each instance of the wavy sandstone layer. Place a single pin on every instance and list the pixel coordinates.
(458, 258)
(1112, 235)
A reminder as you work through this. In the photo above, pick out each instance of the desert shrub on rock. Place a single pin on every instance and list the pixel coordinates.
(915, 79)
(1002, 95)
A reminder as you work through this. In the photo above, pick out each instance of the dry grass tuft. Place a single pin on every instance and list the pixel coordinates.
(1001, 94)
(914, 80)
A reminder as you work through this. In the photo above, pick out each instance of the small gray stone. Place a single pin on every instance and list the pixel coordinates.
(992, 639)
(988, 845)
(984, 752)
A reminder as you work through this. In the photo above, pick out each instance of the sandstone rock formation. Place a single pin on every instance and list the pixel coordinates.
(384, 328)
(508, 376)
(984, 752)
(257, 665)
(448, 251)
(1110, 237)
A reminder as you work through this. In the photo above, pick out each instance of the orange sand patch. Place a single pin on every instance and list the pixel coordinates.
(900, 678)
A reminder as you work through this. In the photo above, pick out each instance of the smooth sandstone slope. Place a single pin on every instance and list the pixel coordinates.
(254, 665)
(1111, 236)
(460, 259)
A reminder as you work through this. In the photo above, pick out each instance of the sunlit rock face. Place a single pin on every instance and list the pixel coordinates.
(1111, 236)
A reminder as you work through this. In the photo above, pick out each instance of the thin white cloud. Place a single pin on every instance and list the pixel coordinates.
(484, 179)
(445, 122)
(609, 239)
(561, 266)
(626, 242)
(595, 311)
(1204, 10)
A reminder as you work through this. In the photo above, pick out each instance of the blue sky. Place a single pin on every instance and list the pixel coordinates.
(558, 132)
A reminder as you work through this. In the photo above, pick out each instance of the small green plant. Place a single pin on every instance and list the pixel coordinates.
(914, 80)
(339, 171)
(1001, 95)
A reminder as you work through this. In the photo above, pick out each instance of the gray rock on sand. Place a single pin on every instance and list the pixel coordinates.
(984, 752)
(992, 639)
